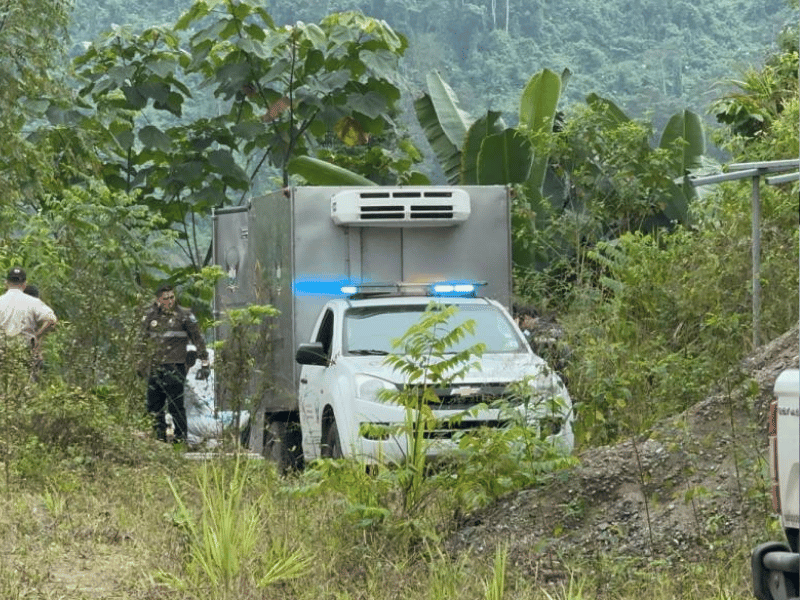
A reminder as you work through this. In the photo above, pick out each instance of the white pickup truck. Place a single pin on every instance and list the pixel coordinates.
(344, 373)
(775, 565)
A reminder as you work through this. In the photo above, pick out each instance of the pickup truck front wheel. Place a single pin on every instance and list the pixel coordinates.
(282, 444)
(331, 445)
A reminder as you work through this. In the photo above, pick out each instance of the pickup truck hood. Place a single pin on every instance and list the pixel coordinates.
(490, 368)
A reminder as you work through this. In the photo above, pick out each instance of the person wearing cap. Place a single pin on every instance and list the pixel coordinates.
(24, 317)
(166, 330)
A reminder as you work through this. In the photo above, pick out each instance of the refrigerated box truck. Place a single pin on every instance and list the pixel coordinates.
(351, 269)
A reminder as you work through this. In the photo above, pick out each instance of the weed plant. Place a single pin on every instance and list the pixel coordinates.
(247, 337)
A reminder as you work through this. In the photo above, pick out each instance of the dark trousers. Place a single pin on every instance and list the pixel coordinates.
(165, 395)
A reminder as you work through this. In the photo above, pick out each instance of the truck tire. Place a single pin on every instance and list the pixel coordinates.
(331, 444)
(282, 444)
(777, 584)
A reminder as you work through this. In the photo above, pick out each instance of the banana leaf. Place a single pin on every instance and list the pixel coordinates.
(319, 172)
(504, 158)
(686, 126)
(487, 125)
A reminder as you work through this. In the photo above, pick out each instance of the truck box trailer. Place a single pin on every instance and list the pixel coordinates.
(312, 252)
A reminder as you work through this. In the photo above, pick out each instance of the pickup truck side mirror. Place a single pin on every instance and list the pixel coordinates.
(311, 354)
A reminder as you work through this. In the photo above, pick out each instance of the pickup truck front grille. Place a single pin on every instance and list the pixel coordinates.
(463, 397)
(445, 431)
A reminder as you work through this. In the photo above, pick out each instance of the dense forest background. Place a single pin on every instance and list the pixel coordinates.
(651, 57)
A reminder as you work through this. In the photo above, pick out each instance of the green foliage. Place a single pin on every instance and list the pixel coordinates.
(426, 363)
(654, 320)
(484, 151)
(659, 351)
(273, 93)
(445, 125)
(493, 462)
(366, 499)
(537, 112)
(379, 163)
(618, 178)
(316, 171)
(50, 428)
(84, 252)
(32, 44)
(222, 559)
(668, 317)
(496, 586)
(247, 337)
(761, 95)
(606, 179)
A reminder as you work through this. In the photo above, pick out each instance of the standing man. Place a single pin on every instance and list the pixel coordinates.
(23, 317)
(166, 330)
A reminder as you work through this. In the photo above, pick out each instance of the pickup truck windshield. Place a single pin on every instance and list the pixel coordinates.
(371, 330)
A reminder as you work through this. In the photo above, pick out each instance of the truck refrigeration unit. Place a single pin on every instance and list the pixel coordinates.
(351, 269)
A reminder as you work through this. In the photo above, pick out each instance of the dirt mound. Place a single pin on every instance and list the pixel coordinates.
(694, 480)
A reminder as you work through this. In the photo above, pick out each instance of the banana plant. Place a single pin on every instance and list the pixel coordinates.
(320, 172)
(683, 140)
(445, 125)
(485, 151)
(684, 137)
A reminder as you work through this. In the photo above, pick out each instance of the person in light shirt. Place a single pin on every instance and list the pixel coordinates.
(24, 318)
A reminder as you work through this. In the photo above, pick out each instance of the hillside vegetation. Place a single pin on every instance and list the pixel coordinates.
(651, 58)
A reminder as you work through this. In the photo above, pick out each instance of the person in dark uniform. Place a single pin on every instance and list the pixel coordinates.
(166, 330)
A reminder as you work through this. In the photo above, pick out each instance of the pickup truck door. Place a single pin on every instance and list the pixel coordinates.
(312, 391)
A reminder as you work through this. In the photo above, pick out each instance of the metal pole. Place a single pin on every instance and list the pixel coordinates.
(756, 224)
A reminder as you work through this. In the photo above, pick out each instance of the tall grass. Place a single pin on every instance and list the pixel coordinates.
(223, 557)
(171, 529)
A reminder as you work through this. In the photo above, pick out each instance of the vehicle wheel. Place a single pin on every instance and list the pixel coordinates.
(331, 445)
(276, 446)
(283, 444)
(763, 578)
(244, 437)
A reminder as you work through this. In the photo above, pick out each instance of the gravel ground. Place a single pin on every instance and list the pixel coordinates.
(693, 483)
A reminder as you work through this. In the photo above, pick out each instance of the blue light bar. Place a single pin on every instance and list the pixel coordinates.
(464, 289)
(453, 288)
(348, 288)
(323, 287)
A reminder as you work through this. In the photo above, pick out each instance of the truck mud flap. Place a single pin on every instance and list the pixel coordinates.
(775, 572)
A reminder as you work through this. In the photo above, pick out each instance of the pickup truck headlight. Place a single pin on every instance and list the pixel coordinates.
(542, 399)
(371, 388)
